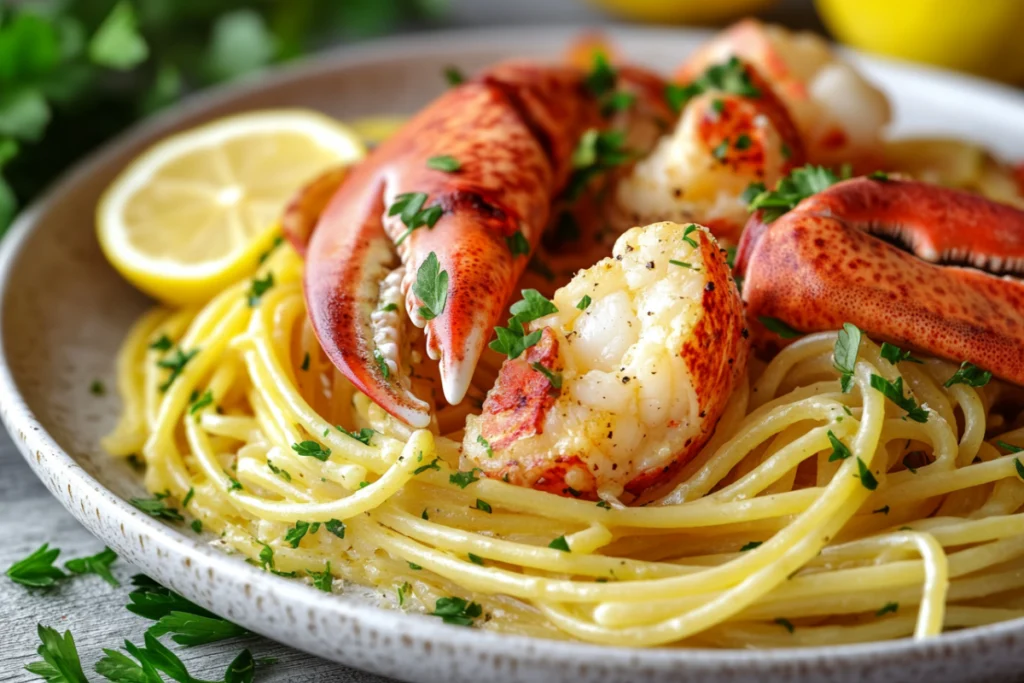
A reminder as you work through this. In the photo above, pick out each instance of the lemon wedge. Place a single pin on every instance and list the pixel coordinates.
(193, 213)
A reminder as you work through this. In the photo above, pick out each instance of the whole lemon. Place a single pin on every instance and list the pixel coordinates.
(979, 36)
(682, 11)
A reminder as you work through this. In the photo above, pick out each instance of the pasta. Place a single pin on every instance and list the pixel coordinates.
(771, 537)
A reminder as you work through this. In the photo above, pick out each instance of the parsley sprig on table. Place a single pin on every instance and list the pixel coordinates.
(188, 623)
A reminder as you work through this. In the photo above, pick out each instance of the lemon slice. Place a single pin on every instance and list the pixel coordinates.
(193, 213)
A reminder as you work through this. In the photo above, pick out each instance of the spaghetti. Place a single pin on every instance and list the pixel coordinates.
(773, 536)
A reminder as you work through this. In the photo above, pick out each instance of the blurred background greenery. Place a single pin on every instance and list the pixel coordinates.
(76, 72)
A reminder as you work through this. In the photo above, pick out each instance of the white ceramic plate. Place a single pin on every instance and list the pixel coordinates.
(63, 313)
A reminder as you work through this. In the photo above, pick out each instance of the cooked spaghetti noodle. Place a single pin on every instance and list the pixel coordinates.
(766, 539)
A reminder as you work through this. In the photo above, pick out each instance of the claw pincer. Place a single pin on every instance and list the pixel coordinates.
(506, 140)
(910, 263)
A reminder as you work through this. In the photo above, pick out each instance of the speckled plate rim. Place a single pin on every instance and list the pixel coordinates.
(150, 545)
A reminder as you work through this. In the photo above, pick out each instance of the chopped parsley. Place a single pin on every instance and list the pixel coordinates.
(446, 163)
(867, 479)
(203, 401)
(560, 544)
(887, 608)
(721, 150)
(197, 526)
(188, 497)
(278, 241)
(454, 76)
(176, 364)
(743, 142)
(403, 591)
(97, 388)
(279, 472)
(882, 510)
(415, 567)
(156, 507)
(690, 229)
(432, 465)
(513, 340)
(1019, 467)
(844, 355)
(778, 327)
(296, 533)
(596, 152)
(162, 343)
(840, 451)
(751, 546)
(584, 303)
(602, 77)
(786, 624)
(482, 505)
(895, 354)
(729, 77)
(258, 288)
(894, 392)
(382, 364)
(518, 244)
(363, 436)
(431, 287)
(800, 184)
(464, 479)
(554, 378)
(682, 264)
(486, 444)
(312, 449)
(604, 504)
(336, 527)
(305, 362)
(408, 206)
(323, 580)
(457, 611)
(969, 374)
(37, 570)
(267, 556)
(476, 559)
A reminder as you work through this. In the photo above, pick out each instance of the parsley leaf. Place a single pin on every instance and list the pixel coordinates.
(486, 444)
(602, 77)
(409, 207)
(560, 544)
(176, 364)
(464, 479)
(895, 354)
(162, 343)
(454, 76)
(322, 580)
(446, 163)
(202, 402)
(37, 570)
(894, 392)
(584, 303)
(296, 533)
(518, 244)
(432, 465)
(596, 152)
(60, 657)
(362, 436)
(867, 479)
(840, 451)
(98, 564)
(336, 527)
(457, 611)
(778, 327)
(554, 378)
(887, 608)
(116, 44)
(513, 340)
(730, 77)
(403, 591)
(798, 185)
(189, 623)
(156, 507)
(969, 374)
(312, 449)
(751, 546)
(258, 288)
(431, 287)
(382, 364)
(786, 624)
(483, 506)
(844, 356)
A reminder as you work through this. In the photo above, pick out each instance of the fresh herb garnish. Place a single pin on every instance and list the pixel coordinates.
(601, 79)
(482, 505)
(197, 526)
(362, 436)
(37, 570)
(560, 544)
(464, 479)
(778, 327)
(382, 364)
(258, 288)
(432, 465)
(867, 479)
(894, 392)
(743, 142)
(176, 364)
(312, 449)
(156, 507)
(189, 623)
(728, 77)
(1019, 467)
(584, 303)
(513, 340)
(798, 185)
(162, 343)
(457, 611)
(60, 662)
(305, 362)
(402, 591)
(201, 402)
(518, 244)
(486, 444)
(840, 451)
(446, 163)
(751, 546)
(882, 510)
(322, 580)
(296, 533)
(98, 564)
(554, 378)
(690, 229)
(969, 374)
(279, 472)
(682, 264)
(1009, 447)
(431, 287)
(97, 388)
(336, 527)
(786, 624)
(596, 152)
(278, 241)
(267, 556)
(844, 355)
(895, 354)
(887, 608)
(617, 101)
(604, 504)
(476, 559)
(453, 75)
(409, 207)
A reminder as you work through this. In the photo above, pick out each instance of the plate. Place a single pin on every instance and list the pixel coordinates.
(64, 311)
